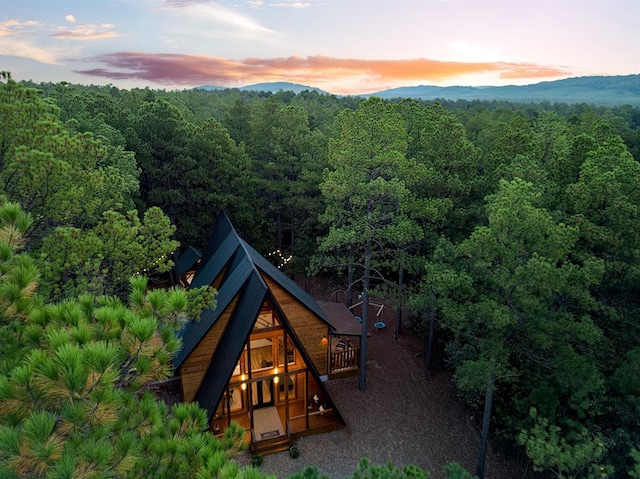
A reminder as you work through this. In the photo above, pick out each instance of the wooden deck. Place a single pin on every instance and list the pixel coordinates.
(344, 363)
(302, 423)
(347, 359)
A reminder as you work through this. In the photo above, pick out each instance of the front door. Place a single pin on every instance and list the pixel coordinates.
(262, 393)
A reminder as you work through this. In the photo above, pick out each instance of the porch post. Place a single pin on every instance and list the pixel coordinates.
(306, 397)
(250, 390)
(285, 384)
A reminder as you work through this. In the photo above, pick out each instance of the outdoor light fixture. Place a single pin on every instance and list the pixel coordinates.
(324, 340)
(276, 379)
(243, 385)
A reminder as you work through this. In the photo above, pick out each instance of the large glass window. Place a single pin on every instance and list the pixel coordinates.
(287, 387)
(266, 318)
(291, 352)
(261, 354)
(236, 398)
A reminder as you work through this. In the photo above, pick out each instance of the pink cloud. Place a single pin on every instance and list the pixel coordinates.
(16, 27)
(178, 69)
(89, 32)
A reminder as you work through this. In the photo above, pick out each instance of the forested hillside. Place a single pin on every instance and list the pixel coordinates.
(507, 233)
(593, 90)
(610, 91)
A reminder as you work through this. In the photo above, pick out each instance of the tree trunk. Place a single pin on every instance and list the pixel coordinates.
(399, 309)
(278, 231)
(292, 237)
(362, 385)
(292, 272)
(350, 281)
(486, 418)
(428, 357)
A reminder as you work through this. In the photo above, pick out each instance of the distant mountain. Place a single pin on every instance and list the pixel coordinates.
(594, 90)
(210, 87)
(271, 87)
(275, 87)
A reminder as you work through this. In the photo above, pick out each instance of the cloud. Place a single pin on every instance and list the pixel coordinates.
(26, 50)
(191, 70)
(80, 32)
(16, 27)
(20, 41)
(89, 31)
(32, 39)
(291, 4)
(204, 11)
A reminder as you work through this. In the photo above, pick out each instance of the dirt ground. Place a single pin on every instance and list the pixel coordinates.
(407, 416)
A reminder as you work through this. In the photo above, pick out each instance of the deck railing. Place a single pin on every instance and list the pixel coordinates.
(347, 359)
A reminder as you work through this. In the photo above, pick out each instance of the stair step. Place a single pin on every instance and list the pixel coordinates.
(272, 446)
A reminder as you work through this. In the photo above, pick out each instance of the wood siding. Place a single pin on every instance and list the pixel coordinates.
(195, 366)
(306, 325)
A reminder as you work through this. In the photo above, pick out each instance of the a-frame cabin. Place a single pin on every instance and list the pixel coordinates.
(261, 356)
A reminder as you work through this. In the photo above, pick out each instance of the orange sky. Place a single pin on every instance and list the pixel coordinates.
(342, 46)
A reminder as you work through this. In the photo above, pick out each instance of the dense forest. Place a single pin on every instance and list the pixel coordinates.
(507, 235)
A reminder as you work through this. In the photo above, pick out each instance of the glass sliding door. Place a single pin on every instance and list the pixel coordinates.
(262, 393)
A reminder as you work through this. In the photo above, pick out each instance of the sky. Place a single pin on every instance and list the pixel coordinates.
(340, 46)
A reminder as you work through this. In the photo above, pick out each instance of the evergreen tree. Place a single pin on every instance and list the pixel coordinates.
(519, 305)
(73, 382)
(367, 198)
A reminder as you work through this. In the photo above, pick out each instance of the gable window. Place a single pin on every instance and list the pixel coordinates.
(261, 354)
(291, 352)
(266, 319)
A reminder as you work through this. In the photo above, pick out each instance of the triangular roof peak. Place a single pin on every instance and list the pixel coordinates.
(228, 255)
(241, 275)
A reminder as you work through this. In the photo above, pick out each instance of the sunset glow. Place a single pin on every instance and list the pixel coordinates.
(339, 46)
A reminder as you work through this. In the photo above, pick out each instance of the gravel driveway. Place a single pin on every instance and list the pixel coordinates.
(406, 416)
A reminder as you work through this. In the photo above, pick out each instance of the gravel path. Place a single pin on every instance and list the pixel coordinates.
(406, 416)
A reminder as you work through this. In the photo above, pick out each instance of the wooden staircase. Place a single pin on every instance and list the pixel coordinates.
(271, 446)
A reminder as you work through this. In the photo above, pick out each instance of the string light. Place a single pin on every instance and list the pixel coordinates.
(280, 258)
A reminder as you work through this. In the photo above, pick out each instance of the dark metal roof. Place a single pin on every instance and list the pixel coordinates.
(283, 280)
(241, 265)
(221, 229)
(231, 344)
(213, 264)
(193, 333)
(187, 261)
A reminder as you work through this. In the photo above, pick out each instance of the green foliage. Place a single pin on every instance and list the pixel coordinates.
(634, 473)
(516, 302)
(449, 187)
(54, 173)
(367, 191)
(215, 174)
(456, 471)
(289, 158)
(72, 397)
(101, 260)
(18, 283)
(367, 470)
(294, 452)
(74, 185)
(22, 110)
(626, 379)
(368, 199)
(184, 448)
(309, 472)
(549, 450)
